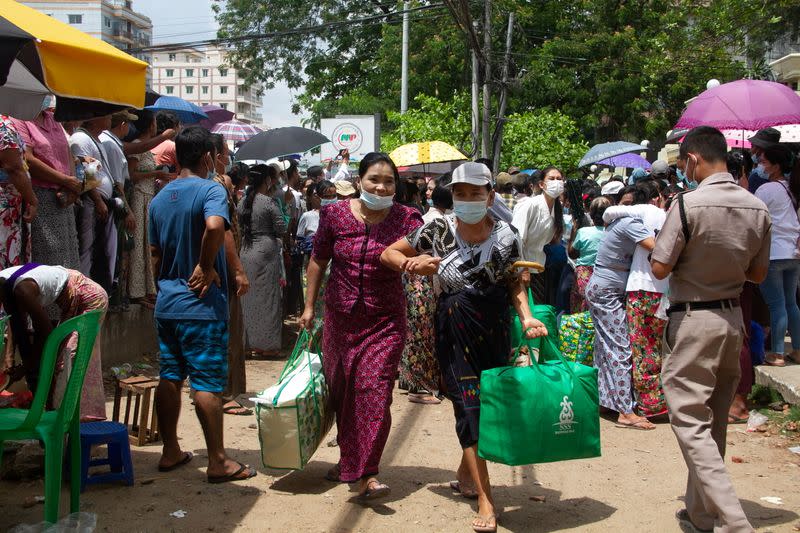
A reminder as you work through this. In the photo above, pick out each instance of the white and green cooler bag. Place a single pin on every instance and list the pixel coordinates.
(293, 415)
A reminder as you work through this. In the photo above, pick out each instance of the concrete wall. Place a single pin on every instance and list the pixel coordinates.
(128, 336)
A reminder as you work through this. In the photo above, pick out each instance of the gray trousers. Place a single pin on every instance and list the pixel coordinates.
(87, 228)
(700, 374)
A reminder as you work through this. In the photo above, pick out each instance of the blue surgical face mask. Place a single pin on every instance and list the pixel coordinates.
(761, 172)
(375, 202)
(681, 175)
(470, 212)
(328, 201)
(754, 158)
(430, 202)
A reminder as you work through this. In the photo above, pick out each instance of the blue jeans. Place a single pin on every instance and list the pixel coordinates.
(780, 293)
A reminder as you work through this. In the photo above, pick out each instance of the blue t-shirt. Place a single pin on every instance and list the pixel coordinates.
(587, 242)
(177, 222)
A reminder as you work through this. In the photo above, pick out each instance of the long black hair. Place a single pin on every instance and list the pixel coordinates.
(257, 176)
(558, 209)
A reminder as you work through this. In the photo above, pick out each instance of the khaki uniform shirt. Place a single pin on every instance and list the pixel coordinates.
(729, 231)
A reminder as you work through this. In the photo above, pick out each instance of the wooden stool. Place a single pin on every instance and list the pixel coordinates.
(141, 388)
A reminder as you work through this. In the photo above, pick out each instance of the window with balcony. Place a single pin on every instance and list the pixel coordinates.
(223, 72)
(170, 89)
(170, 72)
(205, 72)
(75, 19)
(107, 22)
(205, 89)
(189, 72)
(189, 90)
(223, 105)
(172, 57)
(223, 89)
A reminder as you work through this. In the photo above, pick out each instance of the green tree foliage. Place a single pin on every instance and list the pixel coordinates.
(532, 139)
(536, 139)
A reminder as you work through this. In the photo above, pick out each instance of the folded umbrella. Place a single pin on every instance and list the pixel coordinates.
(280, 142)
(233, 130)
(743, 105)
(216, 115)
(187, 112)
(603, 151)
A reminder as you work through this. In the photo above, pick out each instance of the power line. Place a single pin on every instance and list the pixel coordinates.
(285, 33)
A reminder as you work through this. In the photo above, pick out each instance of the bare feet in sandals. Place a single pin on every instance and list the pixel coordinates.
(230, 470)
(486, 519)
(372, 489)
(632, 421)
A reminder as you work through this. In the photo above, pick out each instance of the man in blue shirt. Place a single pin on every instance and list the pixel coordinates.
(188, 220)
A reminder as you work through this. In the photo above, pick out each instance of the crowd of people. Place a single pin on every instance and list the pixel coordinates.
(135, 208)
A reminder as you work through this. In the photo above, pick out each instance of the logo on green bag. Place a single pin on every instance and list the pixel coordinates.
(566, 418)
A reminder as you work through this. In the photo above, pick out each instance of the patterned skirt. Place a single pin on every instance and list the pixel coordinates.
(15, 244)
(80, 296)
(612, 346)
(646, 332)
(54, 237)
(577, 297)
(419, 369)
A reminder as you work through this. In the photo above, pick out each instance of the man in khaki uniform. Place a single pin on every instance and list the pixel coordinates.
(714, 239)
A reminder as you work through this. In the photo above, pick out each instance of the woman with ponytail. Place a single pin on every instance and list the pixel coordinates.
(262, 227)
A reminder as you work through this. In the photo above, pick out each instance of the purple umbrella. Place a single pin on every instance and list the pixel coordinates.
(627, 161)
(743, 105)
(215, 115)
(233, 130)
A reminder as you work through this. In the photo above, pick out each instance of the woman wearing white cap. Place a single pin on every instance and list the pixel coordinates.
(472, 254)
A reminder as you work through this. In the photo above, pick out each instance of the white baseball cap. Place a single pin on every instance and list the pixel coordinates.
(471, 173)
(612, 187)
(280, 166)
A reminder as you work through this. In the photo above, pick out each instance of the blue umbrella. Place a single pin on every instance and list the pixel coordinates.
(187, 112)
(599, 152)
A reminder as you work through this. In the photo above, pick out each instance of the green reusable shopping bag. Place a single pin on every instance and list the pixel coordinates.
(531, 348)
(540, 413)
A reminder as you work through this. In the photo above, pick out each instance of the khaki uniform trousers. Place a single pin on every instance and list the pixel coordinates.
(700, 375)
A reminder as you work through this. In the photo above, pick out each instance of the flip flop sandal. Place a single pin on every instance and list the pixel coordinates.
(232, 410)
(187, 457)
(424, 399)
(381, 490)
(487, 528)
(775, 361)
(236, 476)
(456, 487)
(733, 419)
(637, 426)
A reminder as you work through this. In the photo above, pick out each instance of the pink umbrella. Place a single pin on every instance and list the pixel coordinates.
(234, 130)
(743, 105)
(216, 114)
(790, 133)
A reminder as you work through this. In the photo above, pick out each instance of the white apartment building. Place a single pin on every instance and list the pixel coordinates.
(202, 77)
(113, 21)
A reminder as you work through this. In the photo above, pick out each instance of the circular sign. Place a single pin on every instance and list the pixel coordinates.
(348, 135)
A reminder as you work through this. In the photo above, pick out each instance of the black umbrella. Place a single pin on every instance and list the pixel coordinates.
(279, 142)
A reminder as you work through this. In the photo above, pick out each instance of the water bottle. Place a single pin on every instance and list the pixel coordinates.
(80, 173)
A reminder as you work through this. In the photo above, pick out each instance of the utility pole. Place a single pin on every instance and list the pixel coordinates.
(487, 78)
(501, 112)
(475, 111)
(404, 65)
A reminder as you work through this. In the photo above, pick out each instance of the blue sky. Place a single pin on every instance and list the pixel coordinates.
(191, 20)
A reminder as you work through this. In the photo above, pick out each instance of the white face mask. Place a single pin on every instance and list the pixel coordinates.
(554, 188)
(375, 202)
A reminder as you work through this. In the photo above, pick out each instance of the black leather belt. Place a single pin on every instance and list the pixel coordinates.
(697, 306)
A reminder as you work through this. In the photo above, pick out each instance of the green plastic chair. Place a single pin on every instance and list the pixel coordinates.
(49, 427)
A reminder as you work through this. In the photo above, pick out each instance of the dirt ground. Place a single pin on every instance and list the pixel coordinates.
(635, 486)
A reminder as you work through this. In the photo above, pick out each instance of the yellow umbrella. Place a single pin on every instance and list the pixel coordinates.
(73, 64)
(425, 152)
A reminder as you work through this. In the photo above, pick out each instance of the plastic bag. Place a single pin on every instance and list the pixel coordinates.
(755, 420)
(74, 523)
